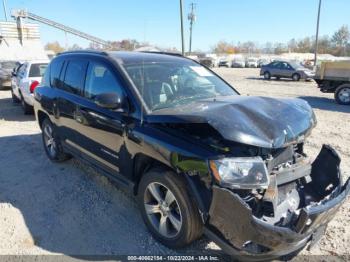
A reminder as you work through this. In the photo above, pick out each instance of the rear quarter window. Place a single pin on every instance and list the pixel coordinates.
(55, 71)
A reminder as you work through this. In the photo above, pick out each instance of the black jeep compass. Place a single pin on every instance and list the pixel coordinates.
(200, 157)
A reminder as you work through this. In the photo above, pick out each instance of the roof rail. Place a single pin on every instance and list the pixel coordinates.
(162, 53)
(86, 51)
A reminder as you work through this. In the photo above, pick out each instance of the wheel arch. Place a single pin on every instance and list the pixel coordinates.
(143, 163)
(41, 117)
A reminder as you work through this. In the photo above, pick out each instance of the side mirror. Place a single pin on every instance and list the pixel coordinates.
(13, 74)
(109, 101)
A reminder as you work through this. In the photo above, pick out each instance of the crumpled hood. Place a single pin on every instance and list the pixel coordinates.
(258, 121)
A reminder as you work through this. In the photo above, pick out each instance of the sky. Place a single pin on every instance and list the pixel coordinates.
(158, 22)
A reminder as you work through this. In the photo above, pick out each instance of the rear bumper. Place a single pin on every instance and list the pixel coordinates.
(239, 233)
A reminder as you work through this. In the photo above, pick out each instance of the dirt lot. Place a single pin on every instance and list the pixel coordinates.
(68, 208)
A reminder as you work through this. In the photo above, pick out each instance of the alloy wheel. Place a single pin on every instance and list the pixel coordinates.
(162, 210)
(296, 77)
(49, 140)
(344, 95)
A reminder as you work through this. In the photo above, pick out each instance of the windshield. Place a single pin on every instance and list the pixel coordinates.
(8, 65)
(37, 70)
(171, 84)
(296, 65)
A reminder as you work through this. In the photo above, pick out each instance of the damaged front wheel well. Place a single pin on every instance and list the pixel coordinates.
(142, 164)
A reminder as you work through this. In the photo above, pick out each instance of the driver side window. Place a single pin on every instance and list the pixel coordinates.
(99, 80)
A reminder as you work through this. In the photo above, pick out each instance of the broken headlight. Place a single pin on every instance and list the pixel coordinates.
(240, 173)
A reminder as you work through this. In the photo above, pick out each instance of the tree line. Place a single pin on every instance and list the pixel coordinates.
(338, 44)
(124, 45)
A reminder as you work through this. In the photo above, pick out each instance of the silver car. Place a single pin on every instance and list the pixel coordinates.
(6, 68)
(284, 69)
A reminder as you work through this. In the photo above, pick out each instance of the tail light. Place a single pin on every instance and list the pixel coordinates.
(33, 85)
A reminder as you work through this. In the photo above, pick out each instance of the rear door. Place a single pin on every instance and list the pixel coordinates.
(273, 68)
(278, 69)
(101, 130)
(69, 90)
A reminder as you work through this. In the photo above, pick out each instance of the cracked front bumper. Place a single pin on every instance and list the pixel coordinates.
(233, 226)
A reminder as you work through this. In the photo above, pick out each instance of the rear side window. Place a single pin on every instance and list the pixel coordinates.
(37, 70)
(75, 76)
(55, 71)
(100, 80)
(274, 64)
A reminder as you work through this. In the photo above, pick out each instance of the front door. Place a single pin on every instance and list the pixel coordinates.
(101, 130)
(285, 70)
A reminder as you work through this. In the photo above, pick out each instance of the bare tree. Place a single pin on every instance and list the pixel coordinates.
(222, 47)
(341, 38)
(75, 47)
(54, 46)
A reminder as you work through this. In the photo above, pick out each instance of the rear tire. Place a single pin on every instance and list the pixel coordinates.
(267, 75)
(296, 77)
(52, 144)
(15, 99)
(180, 217)
(342, 94)
(27, 109)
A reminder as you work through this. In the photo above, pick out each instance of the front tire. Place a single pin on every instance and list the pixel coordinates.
(167, 209)
(52, 144)
(267, 75)
(15, 99)
(296, 77)
(342, 94)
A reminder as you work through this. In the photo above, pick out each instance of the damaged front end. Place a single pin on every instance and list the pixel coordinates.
(287, 213)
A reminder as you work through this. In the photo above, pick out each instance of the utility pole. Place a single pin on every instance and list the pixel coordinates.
(192, 18)
(317, 28)
(182, 30)
(5, 9)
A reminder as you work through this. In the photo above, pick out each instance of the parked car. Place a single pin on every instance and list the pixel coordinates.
(26, 77)
(263, 61)
(6, 68)
(207, 61)
(284, 69)
(334, 77)
(238, 62)
(198, 156)
(251, 62)
(224, 63)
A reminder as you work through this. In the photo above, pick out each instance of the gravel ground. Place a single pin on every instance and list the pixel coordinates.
(70, 209)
